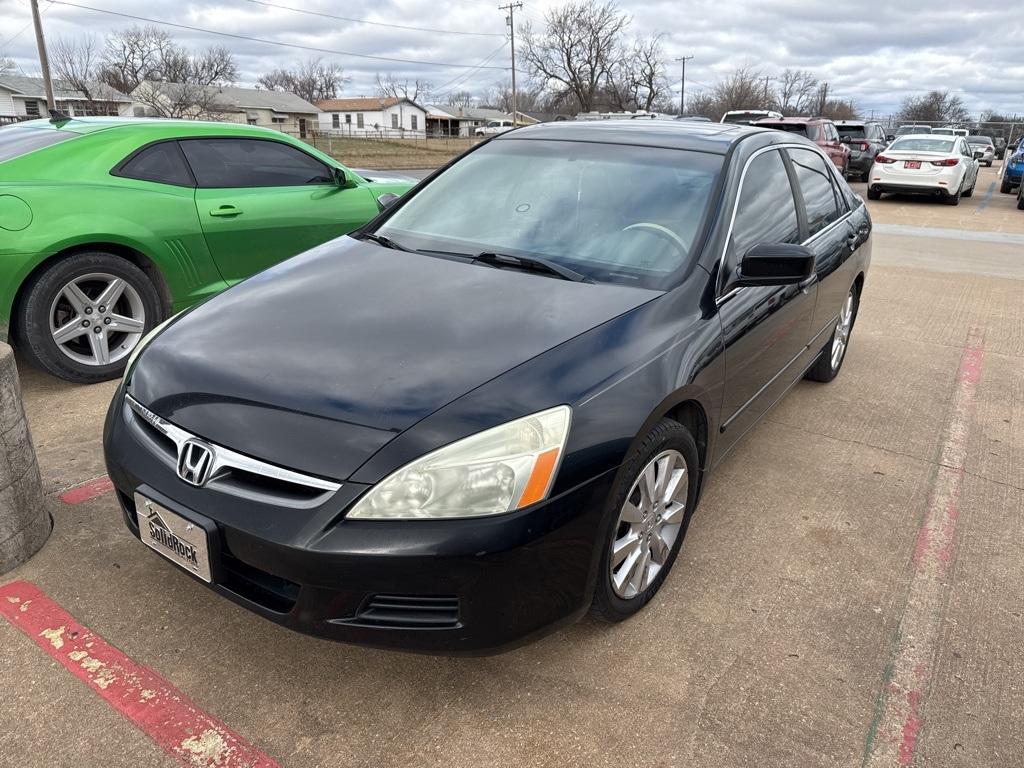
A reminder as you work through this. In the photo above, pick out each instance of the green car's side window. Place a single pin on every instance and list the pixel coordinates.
(238, 163)
(163, 163)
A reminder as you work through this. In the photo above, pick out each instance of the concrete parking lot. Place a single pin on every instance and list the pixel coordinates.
(849, 592)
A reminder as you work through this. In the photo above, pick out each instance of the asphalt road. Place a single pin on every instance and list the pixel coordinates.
(848, 593)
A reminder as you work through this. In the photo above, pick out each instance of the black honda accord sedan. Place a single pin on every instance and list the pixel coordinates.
(495, 407)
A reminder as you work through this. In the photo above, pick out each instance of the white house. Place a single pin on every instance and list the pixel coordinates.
(24, 98)
(373, 116)
(282, 110)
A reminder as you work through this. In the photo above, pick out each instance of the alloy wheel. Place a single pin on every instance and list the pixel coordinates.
(842, 334)
(649, 524)
(97, 319)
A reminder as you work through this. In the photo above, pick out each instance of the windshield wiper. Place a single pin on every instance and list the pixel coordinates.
(531, 264)
(383, 240)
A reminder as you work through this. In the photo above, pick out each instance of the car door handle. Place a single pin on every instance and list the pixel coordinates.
(226, 210)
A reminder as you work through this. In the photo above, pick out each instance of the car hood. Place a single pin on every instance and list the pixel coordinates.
(320, 361)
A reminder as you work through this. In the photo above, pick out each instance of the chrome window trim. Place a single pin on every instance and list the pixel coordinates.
(225, 458)
(722, 298)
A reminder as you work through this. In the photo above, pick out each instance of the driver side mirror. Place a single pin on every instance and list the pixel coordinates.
(890, 137)
(776, 264)
(339, 177)
(978, 154)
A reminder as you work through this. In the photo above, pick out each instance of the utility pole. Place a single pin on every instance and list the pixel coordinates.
(511, 21)
(682, 87)
(44, 61)
(766, 80)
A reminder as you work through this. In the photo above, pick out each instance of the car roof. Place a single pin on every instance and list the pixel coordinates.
(673, 134)
(88, 125)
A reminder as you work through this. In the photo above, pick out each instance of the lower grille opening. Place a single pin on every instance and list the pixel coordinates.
(408, 612)
(265, 589)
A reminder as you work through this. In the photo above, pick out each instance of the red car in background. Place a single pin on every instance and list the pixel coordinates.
(820, 130)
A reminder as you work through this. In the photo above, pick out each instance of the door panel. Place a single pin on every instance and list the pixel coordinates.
(248, 230)
(765, 329)
(261, 201)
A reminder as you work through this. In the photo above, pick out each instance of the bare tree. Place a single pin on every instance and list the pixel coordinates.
(312, 80)
(795, 92)
(638, 78)
(575, 53)
(839, 109)
(527, 98)
(133, 55)
(76, 61)
(390, 88)
(704, 104)
(460, 99)
(6, 64)
(934, 107)
(745, 88)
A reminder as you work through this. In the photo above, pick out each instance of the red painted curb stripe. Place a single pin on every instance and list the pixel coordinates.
(86, 491)
(896, 730)
(161, 711)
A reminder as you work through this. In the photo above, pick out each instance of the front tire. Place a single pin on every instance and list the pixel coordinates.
(648, 514)
(830, 361)
(1006, 188)
(82, 316)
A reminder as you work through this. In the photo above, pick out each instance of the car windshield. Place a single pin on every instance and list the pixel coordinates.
(16, 141)
(917, 144)
(743, 118)
(801, 128)
(613, 213)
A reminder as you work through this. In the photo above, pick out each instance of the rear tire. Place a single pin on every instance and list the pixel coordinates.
(970, 192)
(830, 360)
(645, 527)
(1020, 200)
(953, 199)
(874, 194)
(1006, 188)
(62, 297)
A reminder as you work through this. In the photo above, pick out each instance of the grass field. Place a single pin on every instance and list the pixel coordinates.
(392, 154)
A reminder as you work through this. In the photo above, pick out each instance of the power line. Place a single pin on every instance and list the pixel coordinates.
(462, 77)
(374, 23)
(22, 31)
(265, 41)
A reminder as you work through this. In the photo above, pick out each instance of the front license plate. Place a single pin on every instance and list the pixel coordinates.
(915, 164)
(180, 541)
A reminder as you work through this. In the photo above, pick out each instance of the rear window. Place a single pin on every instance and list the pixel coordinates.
(980, 141)
(15, 141)
(853, 131)
(798, 128)
(922, 145)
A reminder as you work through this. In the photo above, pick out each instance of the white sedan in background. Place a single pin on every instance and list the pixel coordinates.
(926, 164)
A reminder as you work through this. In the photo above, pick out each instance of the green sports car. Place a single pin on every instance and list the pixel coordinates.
(108, 226)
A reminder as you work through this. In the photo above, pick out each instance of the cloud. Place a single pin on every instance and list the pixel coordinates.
(876, 54)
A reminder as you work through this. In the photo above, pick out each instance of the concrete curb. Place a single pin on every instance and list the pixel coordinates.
(25, 524)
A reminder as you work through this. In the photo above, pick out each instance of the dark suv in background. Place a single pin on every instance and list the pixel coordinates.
(820, 130)
(866, 139)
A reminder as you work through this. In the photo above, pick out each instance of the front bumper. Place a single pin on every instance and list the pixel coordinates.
(1013, 174)
(448, 587)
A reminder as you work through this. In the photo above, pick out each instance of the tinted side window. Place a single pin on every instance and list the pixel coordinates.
(816, 186)
(161, 162)
(765, 211)
(252, 163)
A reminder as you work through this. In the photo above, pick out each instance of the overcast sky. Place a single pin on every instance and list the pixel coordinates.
(873, 52)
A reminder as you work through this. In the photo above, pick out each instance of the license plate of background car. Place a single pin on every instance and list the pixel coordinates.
(182, 542)
(915, 164)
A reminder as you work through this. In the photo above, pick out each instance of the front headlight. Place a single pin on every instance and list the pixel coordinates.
(500, 470)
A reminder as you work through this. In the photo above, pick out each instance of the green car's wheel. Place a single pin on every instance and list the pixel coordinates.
(81, 318)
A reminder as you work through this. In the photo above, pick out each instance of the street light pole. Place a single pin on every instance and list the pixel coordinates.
(682, 87)
(511, 19)
(44, 61)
